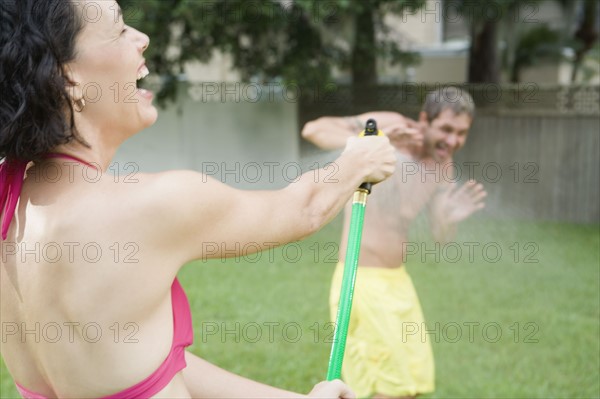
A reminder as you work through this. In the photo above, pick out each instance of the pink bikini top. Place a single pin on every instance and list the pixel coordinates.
(11, 180)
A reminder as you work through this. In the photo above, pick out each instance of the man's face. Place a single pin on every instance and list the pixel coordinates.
(445, 134)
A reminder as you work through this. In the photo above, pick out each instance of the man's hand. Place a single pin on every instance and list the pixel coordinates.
(458, 203)
(406, 136)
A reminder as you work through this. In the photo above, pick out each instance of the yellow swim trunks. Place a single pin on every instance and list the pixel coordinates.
(381, 357)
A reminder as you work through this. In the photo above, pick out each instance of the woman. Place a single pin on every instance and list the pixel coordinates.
(67, 228)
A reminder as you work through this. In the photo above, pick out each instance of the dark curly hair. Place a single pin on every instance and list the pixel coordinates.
(36, 39)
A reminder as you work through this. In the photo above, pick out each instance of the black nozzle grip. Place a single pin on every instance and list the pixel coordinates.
(370, 130)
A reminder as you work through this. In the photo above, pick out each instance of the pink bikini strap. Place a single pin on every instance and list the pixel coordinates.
(72, 158)
(12, 173)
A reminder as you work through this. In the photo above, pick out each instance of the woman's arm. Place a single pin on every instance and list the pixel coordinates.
(199, 218)
(205, 380)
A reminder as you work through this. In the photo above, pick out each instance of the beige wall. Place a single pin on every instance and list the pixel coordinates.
(442, 69)
(219, 69)
(232, 141)
(421, 29)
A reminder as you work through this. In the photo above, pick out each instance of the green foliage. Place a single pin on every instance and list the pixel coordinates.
(589, 72)
(299, 41)
(538, 43)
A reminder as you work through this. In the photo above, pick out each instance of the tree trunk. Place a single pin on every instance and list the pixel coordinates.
(515, 72)
(364, 65)
(511, 30)
(483, 55)
(586, 35)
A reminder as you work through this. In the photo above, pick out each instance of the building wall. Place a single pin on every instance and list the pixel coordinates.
(243, 143)
(442, 69)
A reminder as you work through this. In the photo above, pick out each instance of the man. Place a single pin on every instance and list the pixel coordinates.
(379, 361)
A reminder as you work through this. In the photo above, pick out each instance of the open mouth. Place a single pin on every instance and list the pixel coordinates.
(442, 150)
(142, 73)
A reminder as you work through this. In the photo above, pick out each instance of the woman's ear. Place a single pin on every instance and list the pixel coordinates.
(74, 88)
(72, 83)
(423, 121)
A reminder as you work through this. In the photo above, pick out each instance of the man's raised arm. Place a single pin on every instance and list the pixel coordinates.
(332, 132)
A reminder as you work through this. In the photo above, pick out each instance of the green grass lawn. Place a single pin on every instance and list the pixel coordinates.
(520, 323)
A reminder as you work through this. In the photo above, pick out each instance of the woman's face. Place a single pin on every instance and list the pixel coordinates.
(109, 61)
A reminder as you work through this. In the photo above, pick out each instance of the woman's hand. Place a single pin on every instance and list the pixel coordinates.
(335, 389)
(375, 154)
